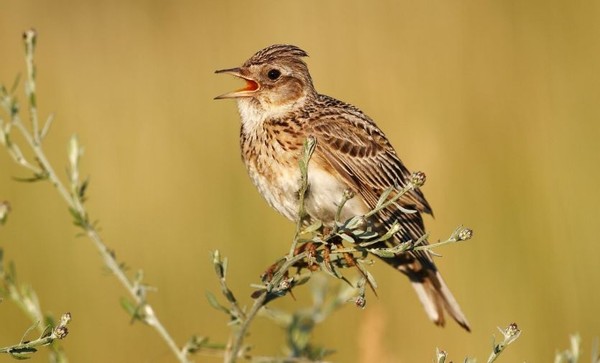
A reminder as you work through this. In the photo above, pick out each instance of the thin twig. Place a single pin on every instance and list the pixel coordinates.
(510, 334)
(26, 299)
(24, 349)
(238, 339)
(30, 38)
(232, 354)
(309, 147)
(74, 199)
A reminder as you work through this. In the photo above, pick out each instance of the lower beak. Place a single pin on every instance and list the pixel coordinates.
(248, 91)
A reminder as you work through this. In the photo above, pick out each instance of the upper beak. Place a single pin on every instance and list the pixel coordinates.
(251, 85)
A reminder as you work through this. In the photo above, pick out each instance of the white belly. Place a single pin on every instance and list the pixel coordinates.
(324, 195)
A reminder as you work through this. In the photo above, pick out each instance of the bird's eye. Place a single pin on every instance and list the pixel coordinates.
(273, 74)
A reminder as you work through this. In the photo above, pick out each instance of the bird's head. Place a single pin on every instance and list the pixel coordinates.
(276, 78)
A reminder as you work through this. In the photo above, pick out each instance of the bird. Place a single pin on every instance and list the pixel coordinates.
(279, 109)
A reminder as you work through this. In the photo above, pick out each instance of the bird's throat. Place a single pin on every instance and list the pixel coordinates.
(252, 115)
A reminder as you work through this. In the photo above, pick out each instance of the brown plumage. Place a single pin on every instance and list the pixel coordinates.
(280, 108)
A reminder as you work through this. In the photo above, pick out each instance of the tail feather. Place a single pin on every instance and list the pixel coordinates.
(436, 297)
(430, 302)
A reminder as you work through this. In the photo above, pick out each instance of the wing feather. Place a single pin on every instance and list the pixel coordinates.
(365, 160)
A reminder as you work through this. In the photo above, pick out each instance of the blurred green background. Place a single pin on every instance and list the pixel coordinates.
(498, 102)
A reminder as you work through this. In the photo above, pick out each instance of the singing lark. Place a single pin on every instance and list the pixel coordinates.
(280, 108)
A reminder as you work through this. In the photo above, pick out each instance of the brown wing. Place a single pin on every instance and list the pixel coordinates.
(363, 157)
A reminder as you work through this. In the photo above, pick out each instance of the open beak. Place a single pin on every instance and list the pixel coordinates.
(248, 91)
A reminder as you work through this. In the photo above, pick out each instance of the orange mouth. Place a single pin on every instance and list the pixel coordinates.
(250, 85)
(248, 91)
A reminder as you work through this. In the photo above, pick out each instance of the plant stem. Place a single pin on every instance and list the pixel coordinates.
(307, 150)
(232, 353)
(75, 203)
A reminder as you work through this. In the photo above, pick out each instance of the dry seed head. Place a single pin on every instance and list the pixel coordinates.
(61, 332)
(418, 178)
(360, 301)
(465, 234)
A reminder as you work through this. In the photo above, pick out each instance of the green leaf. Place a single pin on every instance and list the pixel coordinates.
(368, 275)
(404, 210)
(212, 300)
(132, 310)
(383, 198)
(220, 264)
(303, 279)
(78, 219)
(367, 235)
(195, 343)
(313, 227)
(129, 307)
(382, 252)
(353, 222)
(330, 269)
(83, 188)
(32, 179)
(47, 125)
(392, 231)
(11, 275)
(346, 237)
(15, 84)
(22, 353)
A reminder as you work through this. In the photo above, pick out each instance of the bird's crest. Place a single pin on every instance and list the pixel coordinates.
(275, 52)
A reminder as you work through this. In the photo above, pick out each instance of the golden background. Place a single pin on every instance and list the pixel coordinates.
(498, 102)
